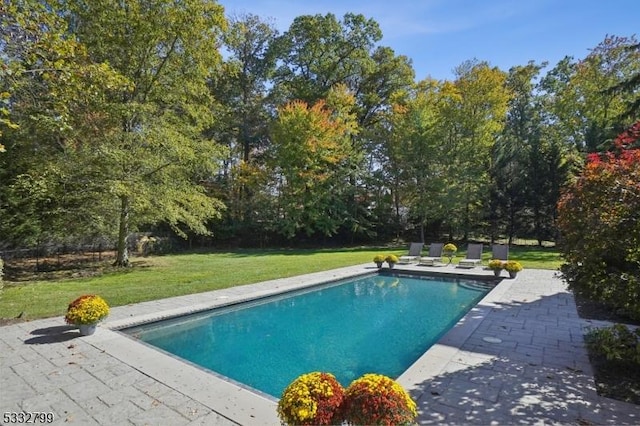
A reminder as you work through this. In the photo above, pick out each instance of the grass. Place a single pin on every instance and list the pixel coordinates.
(174, 275)
(534, 257)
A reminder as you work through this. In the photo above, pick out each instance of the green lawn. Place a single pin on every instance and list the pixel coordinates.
(167, 276)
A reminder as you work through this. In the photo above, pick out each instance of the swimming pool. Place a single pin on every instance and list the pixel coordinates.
(377, 323)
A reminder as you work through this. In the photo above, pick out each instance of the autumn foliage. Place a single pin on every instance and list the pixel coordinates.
(312, 151)
(311, 399)
(319, 399)
(374, 399)
(599, 218)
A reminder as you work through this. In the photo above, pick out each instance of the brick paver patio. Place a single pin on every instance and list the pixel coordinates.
(517, 358)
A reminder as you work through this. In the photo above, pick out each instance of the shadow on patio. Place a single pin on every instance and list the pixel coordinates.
(525, 363)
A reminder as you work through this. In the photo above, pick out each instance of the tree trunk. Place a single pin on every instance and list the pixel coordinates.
(122, 258)
(537, 217)
(396, 205)
(467, 220)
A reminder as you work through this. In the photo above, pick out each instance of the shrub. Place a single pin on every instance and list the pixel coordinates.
(392, 258)
(87, 309)
(615, 343)
(311, 399)
(599, 221)
(374, 399)
(1, 274)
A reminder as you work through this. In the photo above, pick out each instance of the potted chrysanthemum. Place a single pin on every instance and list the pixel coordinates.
(449, 251)
(86, 312)
(496, 265)
(513, 267)
(392, 259)
(374, 399)
(379, 259)
(311, 399)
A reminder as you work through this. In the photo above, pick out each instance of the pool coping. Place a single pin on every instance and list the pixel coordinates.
(434, 361)
(240, 404)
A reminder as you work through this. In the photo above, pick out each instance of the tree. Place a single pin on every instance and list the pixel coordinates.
(242, 84)
(415, 162)
(385, 80)
(519, 141)
(529, 164)
(244, 116)
(629, 85)
(609, 63)
(150, 151)
(53, 93)
(318, 52)
(474, 116)
(311, 151)
(587, 114)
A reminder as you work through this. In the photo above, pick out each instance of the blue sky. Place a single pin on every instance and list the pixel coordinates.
(439, 35)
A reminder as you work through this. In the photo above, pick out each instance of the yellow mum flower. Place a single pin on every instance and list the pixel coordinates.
(87, 309)
(311, 399)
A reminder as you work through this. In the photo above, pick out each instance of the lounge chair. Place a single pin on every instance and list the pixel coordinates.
(473, 258)
(435, 255)
(414, 253)
(500, 252)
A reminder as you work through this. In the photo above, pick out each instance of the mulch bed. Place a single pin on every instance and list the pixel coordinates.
(614, 379)
(10, 321)
(56, 267)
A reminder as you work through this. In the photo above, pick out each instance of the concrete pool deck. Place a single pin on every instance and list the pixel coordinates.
(518, 357)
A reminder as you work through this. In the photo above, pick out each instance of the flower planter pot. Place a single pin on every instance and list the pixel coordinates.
(87, 329)
(496, 272)
(86, 312)
(512, 274)
(379, 264)
(391, 265)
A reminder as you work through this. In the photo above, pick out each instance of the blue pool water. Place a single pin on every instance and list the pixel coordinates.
(373, 324)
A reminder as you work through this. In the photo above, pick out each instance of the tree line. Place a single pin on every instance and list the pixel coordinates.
(170, 116)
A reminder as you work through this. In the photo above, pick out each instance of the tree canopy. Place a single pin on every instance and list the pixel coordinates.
(125, 111)
(169, 116)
